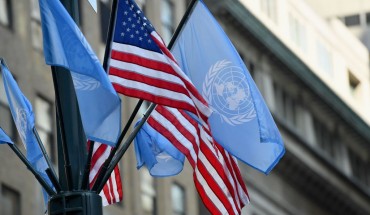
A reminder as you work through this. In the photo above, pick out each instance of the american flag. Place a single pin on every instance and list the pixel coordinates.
(112, 190)
(141, 66)
(216, 174)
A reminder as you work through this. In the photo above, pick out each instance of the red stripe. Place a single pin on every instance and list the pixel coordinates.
(204, 197)
(220, 168)
(98, 153)
(106, 193)
(118, 182)
(167, 134)
(233, 175)
(235, 172)
(111, 191)
(160, 83)
(163, 48)
(137, 93)
(214, 186)
(183, 130)
(142, 60)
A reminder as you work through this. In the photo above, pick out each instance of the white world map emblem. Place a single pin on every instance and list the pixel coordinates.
(83, 82)
(227, 91)
(21, 123)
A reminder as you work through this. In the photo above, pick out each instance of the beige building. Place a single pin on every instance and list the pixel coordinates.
(312, 72)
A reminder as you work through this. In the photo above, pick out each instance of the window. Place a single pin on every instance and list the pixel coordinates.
(148, 193)
(10, 201)
(104, 19)
(5, 13)
(178, 199)
(352, 20)
(44, 125)
(297, 33)
(286, 107)
(268, 7)
(36, 31)
(167, 18)
(325, 139)
(360, 169)
(353, 83)
(368, 18)
(7, 122)
(324, 58)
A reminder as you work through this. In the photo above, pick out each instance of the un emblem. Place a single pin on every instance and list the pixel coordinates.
(83, 82)
(21, 122)
(227, 91)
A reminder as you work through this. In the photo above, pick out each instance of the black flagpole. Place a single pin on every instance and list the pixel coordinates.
(85, 181)
(43, 183)
(51, 170)
(104, 178)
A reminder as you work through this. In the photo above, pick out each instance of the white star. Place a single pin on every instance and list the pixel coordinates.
(138, 11)
(122, 34)
(140, 38)
(137, 32)
(133, 25)
(146, 34)
(134, 15)
(126, 2)
(149, 41)
(142, 28)
(138, 21)
(129, 19)
(125, 12)
(144, 23)
(128, 29)
(132, 36)
(123, 23)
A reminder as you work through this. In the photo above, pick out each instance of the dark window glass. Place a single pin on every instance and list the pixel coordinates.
(10, 201)
(6, 13)
(352, 20)
(104, 20)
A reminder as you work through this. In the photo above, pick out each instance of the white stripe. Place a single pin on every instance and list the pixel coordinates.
(115, 188)
(147, 72)
(171, 95)
(134, 50)
(164, 59)
(243, 195)
(209, 192)
(156, 36)
(98, 164)
(203, 107)
(213, 171)
(104, 198)
(184, 122)
(176, 133)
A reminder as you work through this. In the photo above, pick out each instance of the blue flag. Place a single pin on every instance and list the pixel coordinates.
(65, 45)
(23, 117)
(241, 121)
(4, 138)
(157, 153)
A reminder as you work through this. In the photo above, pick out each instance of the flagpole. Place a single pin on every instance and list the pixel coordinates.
(67, 164)
(107, 162)
(43, 183)
(104, 178)
(85, 181)
(122, 151)
(52, 171)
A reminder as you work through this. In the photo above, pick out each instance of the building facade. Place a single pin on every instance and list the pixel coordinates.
(312, 72)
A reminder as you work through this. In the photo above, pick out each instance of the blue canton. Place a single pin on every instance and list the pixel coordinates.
(132, 27)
